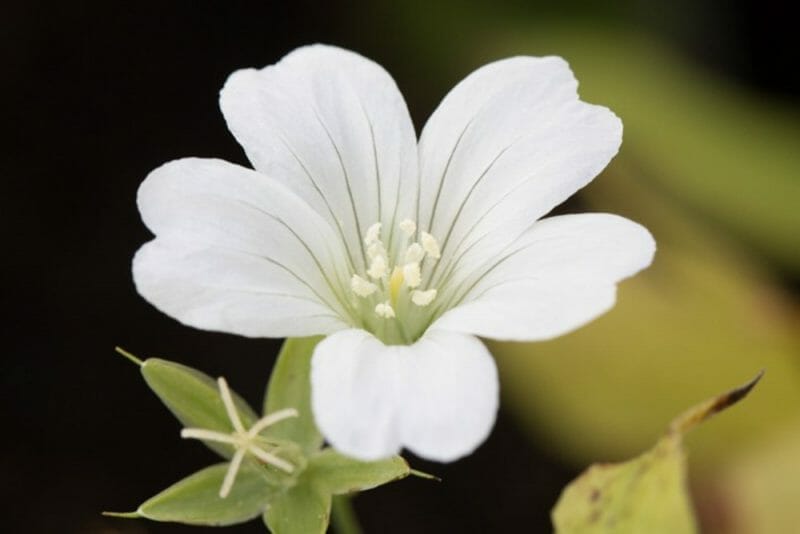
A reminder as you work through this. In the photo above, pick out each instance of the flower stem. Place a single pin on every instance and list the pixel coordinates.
(343, 516)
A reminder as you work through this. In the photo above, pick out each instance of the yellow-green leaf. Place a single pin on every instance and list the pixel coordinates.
(646, 494)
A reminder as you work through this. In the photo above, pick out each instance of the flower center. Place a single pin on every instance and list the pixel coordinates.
(392, 289)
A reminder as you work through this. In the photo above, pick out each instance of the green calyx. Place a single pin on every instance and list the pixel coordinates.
(276, 466)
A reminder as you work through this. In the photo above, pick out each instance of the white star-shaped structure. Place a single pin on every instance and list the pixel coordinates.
(243, 440)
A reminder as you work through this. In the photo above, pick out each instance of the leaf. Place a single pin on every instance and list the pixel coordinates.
(646, 494)
(303, 509)
(339, 474)
(195, 500)
(194, 399)
(306, 507)
(290, 387)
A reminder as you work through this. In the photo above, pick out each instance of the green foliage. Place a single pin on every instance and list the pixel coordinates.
(646, 494)
(299, 502)
(194, 399)
(338, 474)
(195, 500)
(303, 509)
(289, 388)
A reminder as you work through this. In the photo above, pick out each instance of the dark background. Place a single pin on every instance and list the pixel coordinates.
(95, 95)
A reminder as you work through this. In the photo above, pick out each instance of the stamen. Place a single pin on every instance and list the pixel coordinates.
(385, 310)
(412, 275)
(423, 298)
(391, 270)
(361, 287)
(430, 245)
(414, 253)
(373, 233)
(377, 269)
(408, 227)
(376, 249)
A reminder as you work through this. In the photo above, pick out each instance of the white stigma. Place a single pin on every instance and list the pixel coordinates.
(408, 227)
(423, 298)
(385, 310)
(430, 245)
(362, 287)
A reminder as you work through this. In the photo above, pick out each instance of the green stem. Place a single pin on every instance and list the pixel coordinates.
(343, 516)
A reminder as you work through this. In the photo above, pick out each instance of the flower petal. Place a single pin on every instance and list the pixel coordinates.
(450, 396)
(505, 146)
(333, 126)
(558, 276)
(437, 397)
(353, 381)
(236, 252)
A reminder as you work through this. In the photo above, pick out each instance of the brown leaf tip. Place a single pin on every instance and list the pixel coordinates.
(735, 395)
(711, 407)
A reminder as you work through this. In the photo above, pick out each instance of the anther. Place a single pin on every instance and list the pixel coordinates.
(430, 245)
(385, 310)
(376, 249)
(414, 253)
(362, 287)
(373, 233)
(378, 267)
(423, 298)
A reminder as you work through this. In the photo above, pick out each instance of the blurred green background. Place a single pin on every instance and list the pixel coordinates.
(710, 99)
(712, 167)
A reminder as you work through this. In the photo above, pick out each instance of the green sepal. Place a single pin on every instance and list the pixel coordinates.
(195, 500)
(290, 387)
(303, 509)
(193, 397)
(338, 474)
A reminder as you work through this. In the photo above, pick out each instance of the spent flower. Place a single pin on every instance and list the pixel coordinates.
(244, 441)
(400, 251)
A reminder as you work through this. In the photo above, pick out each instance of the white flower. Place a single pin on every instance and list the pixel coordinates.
(400, 251)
